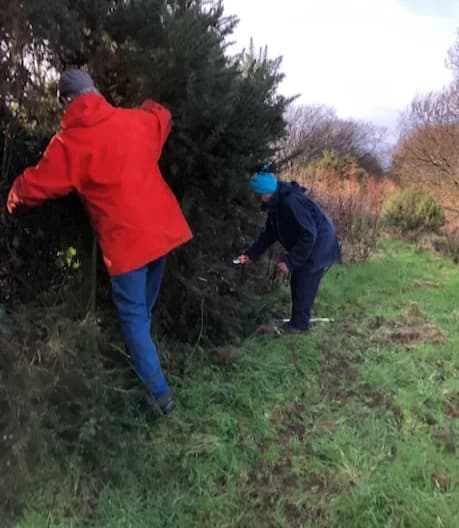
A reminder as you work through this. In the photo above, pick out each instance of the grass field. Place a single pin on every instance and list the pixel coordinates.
(353, 425)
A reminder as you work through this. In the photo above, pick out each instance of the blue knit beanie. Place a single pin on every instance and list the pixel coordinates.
(264, 183)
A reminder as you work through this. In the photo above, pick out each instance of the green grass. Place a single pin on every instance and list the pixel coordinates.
(353, 425)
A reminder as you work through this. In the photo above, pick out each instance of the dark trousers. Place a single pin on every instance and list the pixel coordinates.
(304, 286)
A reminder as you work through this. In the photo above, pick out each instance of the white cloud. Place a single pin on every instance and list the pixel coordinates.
(367, 58)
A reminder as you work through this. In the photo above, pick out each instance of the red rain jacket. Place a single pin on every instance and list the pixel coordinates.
(109, 157)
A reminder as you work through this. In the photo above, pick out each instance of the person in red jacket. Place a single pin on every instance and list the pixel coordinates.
(109, 157)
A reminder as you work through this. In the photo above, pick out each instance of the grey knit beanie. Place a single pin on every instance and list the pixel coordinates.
(75, 82)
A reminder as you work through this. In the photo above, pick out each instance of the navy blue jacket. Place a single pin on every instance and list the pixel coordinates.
(303, 229)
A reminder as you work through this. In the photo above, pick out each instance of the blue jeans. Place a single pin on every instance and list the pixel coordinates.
(135, 294)
(304, 286)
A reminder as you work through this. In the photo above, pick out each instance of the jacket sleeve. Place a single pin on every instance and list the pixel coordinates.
(50, 178)
(302, 249)
(264, 241)
(163, 120)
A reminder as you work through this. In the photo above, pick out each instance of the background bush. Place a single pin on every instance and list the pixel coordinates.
(412, 209)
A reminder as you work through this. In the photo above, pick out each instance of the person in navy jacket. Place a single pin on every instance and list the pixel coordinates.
(306, 233)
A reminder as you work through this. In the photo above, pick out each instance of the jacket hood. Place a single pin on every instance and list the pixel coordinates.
(292, 187)
(283, 190)
(86, 111)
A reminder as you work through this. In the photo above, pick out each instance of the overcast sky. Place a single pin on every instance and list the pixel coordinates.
(366, 58)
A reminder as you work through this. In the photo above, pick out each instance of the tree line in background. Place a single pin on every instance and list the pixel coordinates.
(427, 154)
(410, 189)
(315, 129)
